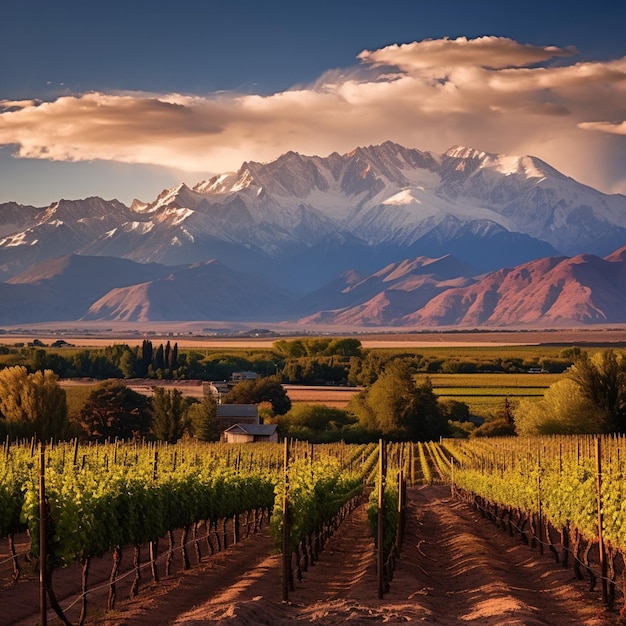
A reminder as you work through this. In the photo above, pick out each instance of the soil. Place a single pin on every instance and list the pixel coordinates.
(455, 567)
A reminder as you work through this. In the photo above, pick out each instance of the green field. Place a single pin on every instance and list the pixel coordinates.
(485, 393)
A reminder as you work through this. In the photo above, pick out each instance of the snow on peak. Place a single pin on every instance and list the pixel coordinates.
(180, 194)
(173, 215)
(406, 196)
(138, 206)
(243, 182)
(214, 184)
(503, 164)
(508, 165)
(463, 152)
(19, 239)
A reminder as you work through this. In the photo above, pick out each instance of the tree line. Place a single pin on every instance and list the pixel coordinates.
(397, 400)
(326, 360)
(35, 404)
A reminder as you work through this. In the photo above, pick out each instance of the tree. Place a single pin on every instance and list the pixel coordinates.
(494, 428)
(114, 410)
(315, 422)
(505, 413)
(397, 408)
(168, 414)
(159, 358)
(364, 413)
(260, 390)
(145, 361)
(173, 362)
(601, 379)
(128, 364)
(32, 404)
(455, 411)
(202, 419)
(563, 410)
(344, 346)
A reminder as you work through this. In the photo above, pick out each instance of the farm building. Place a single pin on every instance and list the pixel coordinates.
(230, 414)
(250, 433)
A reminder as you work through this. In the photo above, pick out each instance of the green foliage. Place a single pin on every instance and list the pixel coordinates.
(76, 397)
(602, 381)
(315, 423)
(317, 490)
(32, 404)
(318, 346)
(571, 354)
(114, 410)
(390, 514)
(260, 390)
(556, 477)
(563, 410)
(364, 371)
(168, 414)
(220, 366)
(312, 370)
(396, 408)
(202, 420)
(590, 399)
(458, 367)
(494, 428)
(455, 410)
(554, 366)
(119, 495)
(460, 429)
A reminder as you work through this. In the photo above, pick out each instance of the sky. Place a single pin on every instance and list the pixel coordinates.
(124, 98)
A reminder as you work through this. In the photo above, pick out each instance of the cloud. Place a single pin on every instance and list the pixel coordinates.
(492, 52)
(491, 93)
(605, 127)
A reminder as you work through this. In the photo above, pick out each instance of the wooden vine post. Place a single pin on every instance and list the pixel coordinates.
(452, 491)
(601, 551)
(380, 552)
(43, 556)
(286, 530)
(539, 529)
(401, 506)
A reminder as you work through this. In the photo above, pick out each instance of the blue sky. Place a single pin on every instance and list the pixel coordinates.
(124, 98)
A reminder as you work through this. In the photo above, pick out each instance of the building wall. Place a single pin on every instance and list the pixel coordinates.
(238, 438)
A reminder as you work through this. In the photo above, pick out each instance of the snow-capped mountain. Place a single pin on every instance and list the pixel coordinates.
(300, 222)
(387, 201)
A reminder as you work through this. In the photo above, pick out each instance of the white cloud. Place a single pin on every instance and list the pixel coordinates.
(491, 93)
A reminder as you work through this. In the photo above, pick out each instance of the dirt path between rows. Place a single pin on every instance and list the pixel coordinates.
(455, 568)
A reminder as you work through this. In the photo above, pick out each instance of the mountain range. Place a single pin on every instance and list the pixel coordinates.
(381, 236)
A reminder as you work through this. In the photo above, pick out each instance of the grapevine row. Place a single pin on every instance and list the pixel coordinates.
(567, 493)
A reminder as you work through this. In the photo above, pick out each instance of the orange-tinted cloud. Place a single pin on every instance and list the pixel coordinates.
(491, 93)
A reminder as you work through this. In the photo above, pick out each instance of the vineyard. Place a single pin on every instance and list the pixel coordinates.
(159, 508)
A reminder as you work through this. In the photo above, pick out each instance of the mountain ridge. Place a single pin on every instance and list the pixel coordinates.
(296, 224)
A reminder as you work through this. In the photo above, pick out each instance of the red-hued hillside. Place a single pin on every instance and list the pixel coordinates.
(584, 289)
